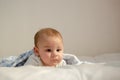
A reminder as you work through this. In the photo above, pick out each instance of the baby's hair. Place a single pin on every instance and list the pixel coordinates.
(49, 32)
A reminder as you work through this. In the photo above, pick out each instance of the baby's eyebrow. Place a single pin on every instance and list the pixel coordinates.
(50, 47)
(47, 46)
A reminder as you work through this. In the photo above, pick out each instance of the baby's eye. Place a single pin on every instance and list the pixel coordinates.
(58, 50)
(48, 50)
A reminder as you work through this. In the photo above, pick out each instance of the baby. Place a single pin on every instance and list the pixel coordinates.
(48, 49)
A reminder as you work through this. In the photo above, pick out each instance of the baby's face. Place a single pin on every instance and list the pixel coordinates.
(50, 51)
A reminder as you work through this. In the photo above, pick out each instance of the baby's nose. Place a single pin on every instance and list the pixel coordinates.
(54, 53)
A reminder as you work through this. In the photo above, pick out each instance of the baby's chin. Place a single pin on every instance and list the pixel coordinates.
(54, 64)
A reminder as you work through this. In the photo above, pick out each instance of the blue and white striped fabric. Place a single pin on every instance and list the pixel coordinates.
(16, 61)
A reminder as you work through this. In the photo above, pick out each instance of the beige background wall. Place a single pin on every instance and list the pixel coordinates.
(89, 27)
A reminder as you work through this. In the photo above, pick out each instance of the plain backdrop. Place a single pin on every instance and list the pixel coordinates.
(89, 27)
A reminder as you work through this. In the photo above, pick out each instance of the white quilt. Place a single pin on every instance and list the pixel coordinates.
(81, 72)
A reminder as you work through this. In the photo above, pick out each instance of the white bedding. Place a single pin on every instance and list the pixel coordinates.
(80, 72)
(104, 58)
(105, 67)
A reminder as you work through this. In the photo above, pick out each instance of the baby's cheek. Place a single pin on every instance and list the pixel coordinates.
(60, 57)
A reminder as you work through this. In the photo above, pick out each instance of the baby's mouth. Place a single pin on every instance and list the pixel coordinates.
(55, 60)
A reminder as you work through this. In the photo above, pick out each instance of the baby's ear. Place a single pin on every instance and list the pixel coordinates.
(36, 51)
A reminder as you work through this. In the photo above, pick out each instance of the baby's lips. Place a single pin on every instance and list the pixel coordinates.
(55, 60)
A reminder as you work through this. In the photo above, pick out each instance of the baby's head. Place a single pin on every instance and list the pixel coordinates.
(49, 46)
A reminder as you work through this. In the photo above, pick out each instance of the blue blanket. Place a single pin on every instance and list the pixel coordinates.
(17, 61)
